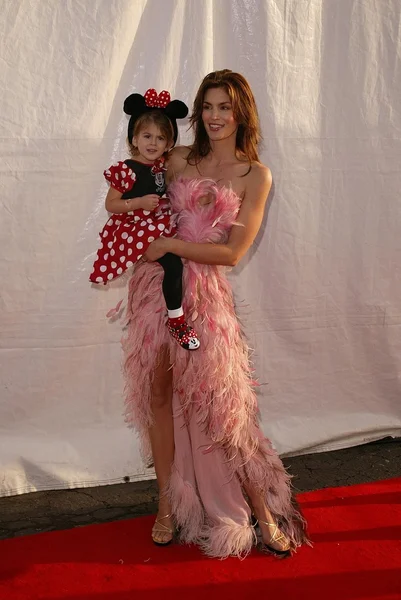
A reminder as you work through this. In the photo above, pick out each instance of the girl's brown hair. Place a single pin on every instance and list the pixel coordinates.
(244, 109)
(156, 118)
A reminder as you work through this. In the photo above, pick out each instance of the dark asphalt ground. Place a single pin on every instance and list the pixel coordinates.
(64, 509)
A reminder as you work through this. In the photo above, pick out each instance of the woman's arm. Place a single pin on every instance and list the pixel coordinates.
(242, 234)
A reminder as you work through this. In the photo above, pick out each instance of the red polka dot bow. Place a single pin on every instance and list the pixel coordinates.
(155, 100)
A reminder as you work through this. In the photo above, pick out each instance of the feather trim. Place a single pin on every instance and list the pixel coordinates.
(186, 508)
(227, 539)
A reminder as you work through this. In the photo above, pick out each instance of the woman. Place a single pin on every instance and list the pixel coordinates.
(197, 414)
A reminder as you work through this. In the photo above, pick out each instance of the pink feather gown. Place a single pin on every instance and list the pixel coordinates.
(218, 442)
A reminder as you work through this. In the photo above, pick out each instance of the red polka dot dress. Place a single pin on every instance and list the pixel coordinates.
(126, 237)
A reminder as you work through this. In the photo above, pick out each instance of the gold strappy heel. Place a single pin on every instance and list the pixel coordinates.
(276, 537)
(158, 527)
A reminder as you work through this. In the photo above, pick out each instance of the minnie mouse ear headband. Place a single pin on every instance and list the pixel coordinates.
(136, 105)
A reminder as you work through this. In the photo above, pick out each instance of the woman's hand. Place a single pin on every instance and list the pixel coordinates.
(157, 249)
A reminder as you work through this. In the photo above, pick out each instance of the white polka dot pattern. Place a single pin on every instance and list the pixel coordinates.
(153, 99)
(119, 177)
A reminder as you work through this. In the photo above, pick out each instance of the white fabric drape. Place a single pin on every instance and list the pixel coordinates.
(320, 290)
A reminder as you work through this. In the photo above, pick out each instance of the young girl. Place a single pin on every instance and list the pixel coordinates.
(140, 212)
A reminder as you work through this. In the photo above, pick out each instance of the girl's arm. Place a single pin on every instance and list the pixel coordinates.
(242, 234)
(115, 204)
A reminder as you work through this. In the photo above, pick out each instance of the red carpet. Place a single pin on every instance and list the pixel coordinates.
(357, 554)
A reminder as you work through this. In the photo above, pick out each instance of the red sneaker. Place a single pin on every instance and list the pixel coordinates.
(183, 333)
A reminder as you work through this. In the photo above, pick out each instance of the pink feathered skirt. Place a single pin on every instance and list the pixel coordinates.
(219, 446)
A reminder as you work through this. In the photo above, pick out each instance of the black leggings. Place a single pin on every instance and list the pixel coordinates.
(172, 280)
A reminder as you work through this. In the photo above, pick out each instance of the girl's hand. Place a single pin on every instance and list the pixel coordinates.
(149, 202)
(157, 249)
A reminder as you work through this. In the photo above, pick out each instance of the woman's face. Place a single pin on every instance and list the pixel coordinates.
(217, 115)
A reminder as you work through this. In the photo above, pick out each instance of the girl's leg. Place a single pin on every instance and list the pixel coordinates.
(172, 280)
(161, 435)
(172, 292)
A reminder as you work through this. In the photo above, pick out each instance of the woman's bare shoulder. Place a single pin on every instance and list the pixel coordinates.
(258, 182)
(260, 172)
(181, 151)
(177, 161)
(178, 154)
(253, 170)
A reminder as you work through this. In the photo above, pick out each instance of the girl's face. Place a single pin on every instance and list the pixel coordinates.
(217, 115)
(150, 143)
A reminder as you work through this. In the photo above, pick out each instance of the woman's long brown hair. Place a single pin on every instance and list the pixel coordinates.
(245, 113)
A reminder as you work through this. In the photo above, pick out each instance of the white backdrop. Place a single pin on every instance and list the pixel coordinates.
(322, 286)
